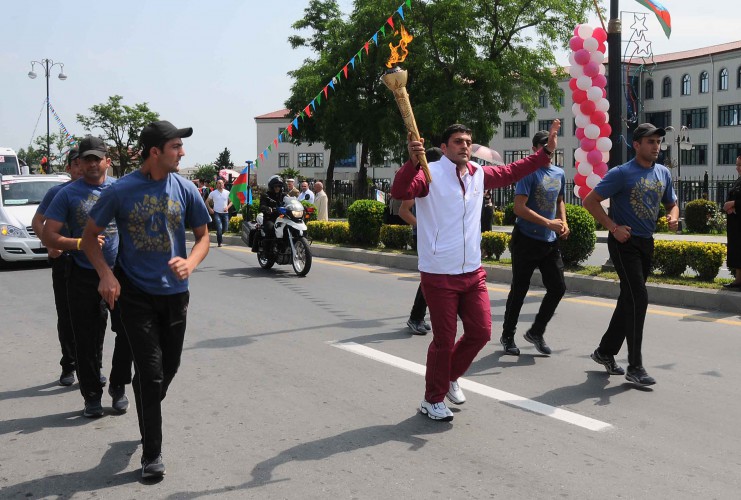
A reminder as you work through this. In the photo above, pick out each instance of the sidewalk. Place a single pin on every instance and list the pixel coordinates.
(667, 295)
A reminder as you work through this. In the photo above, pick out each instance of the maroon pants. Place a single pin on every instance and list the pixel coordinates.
(449, 296)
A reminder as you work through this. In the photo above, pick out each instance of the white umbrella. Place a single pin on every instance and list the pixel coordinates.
(226, 172)
(486, 154)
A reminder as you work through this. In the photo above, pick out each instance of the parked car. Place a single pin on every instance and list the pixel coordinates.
(20, 196)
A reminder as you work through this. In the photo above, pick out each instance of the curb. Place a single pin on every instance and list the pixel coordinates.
(665, 295)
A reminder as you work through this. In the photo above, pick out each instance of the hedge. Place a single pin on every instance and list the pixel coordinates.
(699, 216)
(671, 258)
(582, 237)
(329, 231)
(494, 243)
(396, 236)
(365, 218)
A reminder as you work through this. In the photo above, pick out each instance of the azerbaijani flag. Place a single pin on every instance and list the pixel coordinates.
(241, 194)
(661, 13)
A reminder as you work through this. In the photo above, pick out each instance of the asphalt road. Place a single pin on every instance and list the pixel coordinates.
(309, 387)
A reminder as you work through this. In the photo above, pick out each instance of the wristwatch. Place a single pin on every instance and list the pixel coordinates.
(547, 151)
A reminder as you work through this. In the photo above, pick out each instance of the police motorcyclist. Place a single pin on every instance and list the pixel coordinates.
(269, 203)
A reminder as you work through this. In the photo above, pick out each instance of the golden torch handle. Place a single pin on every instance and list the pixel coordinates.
(405, 108)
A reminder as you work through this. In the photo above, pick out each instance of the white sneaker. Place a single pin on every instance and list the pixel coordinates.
(436, 411)
(455, 394)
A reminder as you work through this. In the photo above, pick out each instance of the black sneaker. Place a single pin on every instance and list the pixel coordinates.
(153, 468)
(608, 362)
(67, 378)
(509, 346)
(417, 327)
(118, 395)
(638, 375)
(93, 409)
(539, 343)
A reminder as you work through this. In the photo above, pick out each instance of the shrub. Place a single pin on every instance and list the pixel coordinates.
(582, 239)
(699, 214)
(235, 223)
(396, 236)
(662, 225)
(365, 218)
(509, 215)
(250, 210)
(498, 219)
(339, 232)
(494, 243)
(318, 230)
(312, 214)
(670, 257)
(338, 208)
(706, 259)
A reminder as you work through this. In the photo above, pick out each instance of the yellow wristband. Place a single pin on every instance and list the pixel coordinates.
(79, 242)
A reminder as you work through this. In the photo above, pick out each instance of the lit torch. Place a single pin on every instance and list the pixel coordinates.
(395, 79)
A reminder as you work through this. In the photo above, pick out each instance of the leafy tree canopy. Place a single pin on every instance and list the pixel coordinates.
(224, 160)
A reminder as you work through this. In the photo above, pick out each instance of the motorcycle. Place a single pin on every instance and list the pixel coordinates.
(289, 245)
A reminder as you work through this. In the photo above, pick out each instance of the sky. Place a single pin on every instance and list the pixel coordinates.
(211, 65)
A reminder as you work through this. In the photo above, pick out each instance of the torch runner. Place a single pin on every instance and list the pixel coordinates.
(395, 79)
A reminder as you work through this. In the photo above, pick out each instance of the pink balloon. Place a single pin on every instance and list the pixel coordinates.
(572, 84)
(605, 130)
(579, 95)
(599, 118)
(576, 43)
(599, 80)
(579, 133)
(580, 180)
(588, 108)
(584, 191)
(600, 35)
(588, 144)
(594, 157)
(576, 31)
(591, 69)
(600, 169)
(582, 56)
(602, 47)
(604, 93)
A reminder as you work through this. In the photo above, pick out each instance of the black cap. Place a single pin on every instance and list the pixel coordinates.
(540, 138)
(162, 131)
(91, 145)
(646, 130)
(73, 154)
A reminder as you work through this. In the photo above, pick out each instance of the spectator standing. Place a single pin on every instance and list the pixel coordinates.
(306, 194)
(635, 190)
(321, 202)
(151, 207)
(541, 221)
(221, 205)
(733, 230)
(449, 232)
(291, 189)
(487, 212)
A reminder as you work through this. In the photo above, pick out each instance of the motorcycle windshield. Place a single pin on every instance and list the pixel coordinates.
(293, 204)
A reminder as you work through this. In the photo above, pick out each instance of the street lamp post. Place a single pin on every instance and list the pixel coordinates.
(47, 64)
(683, 144)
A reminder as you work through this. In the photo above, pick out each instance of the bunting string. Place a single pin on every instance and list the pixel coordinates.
(311, 106)
(70, 139)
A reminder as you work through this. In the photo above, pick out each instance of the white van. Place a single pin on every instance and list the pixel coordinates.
(9, 164)
(20, 196)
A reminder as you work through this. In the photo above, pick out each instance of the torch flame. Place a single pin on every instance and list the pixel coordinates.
(399, 52)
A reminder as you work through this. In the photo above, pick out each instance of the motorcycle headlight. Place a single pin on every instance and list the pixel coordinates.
(297, 214)
(11, 231)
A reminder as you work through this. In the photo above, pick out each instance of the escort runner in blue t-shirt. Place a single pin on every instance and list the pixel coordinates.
(541, 221)
(635, 190)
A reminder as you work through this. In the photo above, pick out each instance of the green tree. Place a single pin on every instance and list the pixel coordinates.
(121, 126)
(291, 173)
(35, 152)
(224, 160)
(206, 172)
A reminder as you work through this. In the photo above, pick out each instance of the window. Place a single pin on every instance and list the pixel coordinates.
(727, 153)
(543, 100)
(698, 155)
(666, 87)
(738, 78)
(695, 118)
(686, 87)
(546, 125)
(311, 160)
(510, 156)
(723, 79)
(728, 116)
(284, 160)
(649, 89)
(560, 97)
(660, 118)
(558, 157)
(516, 129)
(704, 82)
(573, 125)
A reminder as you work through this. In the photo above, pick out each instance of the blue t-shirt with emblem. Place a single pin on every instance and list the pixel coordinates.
(71, 206)
(151, 217)
(46, 201)
(635, 193)
(542, 188)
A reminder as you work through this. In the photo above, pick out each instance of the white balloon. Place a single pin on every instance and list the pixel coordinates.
(576, 191)
(582, 120)
(593, 179)
(605, 157)
(585, 169)
(597, 57)
(591, 131)
(575, 71)
(575, 109)
(591, 44)
(602, 69)
(581, 156)
(585, 31)
(603, 105)
(604, 144)
(594, 93)
(584, 83)
(572, 61)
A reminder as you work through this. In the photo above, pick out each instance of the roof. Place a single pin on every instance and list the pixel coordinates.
(281, 113)
(704, 51)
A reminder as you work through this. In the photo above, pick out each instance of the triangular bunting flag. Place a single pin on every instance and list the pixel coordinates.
(265, 152)
(307, 111)
(289, 129)
(352, 62)
(331, 83)
(375, 38)
(325, 91)
(344, 70)
(295, 124)
(275, 142)
(262, 157)
(359, 55)
(270, 148)
(366, 47)
(280, 137)
(400, 10)
(313, 106)
(318, 99)
(409, 4)
(390, 20)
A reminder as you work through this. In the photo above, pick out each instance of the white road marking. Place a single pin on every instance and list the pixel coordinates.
(484, 390)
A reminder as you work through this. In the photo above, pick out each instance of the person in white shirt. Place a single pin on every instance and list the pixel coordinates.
(321, 202)
(306, 194)
(220, 210)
